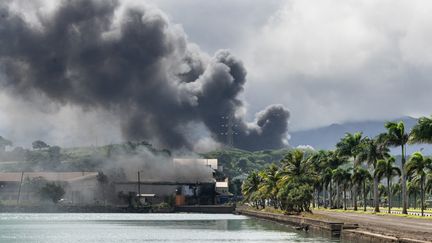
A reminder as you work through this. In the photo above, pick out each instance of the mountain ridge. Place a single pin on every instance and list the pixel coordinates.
(326, 137)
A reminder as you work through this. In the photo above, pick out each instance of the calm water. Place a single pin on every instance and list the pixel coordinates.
(145, 228)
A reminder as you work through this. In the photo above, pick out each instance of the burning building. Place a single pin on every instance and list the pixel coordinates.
(191, 183)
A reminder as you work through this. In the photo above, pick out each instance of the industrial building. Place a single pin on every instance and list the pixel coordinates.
(80, 187)
(194, 184)
(184, 181)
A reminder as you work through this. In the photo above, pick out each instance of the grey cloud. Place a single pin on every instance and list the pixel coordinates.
(131, 62)
(333, 61)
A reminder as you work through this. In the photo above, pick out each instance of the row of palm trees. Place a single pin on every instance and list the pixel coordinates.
(333, 176)
(288, 186)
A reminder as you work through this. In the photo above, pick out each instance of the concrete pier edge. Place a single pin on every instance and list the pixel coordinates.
(335, 229)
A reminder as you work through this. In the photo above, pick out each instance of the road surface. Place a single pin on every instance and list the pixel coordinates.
(388, 225)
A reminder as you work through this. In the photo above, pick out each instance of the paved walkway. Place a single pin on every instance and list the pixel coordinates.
(388, 225)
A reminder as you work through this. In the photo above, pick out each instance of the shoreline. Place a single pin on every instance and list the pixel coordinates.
(345, 231)
(223, 209)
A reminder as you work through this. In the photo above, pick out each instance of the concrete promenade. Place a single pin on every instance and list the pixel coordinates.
(394, 226)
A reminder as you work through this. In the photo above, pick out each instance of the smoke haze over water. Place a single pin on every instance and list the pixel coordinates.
(128, 60)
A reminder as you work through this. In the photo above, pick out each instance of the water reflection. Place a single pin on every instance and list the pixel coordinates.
(145, 228)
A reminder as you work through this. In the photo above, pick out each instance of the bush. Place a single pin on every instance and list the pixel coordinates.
(296, 197)
(52, 191)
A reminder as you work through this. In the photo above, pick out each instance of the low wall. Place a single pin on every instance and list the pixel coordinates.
(346, 232)
(71, 209)
(205, 209)
(333, 228)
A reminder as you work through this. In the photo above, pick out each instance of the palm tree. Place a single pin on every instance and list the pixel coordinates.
(418, 166)
(268, 186)
(334, 160)
(412, 189)
(396, 190)
(298, 171)
(297, 164)
(346, 182)
(360, 177)
(319, 162)
(428, 184)
(338, 177)
(371, 151)
(382, 190)
(327, 179)
(250, 187)
(342, 178)
(422, 131)
(396, 136)
(385, 168)
(350, 146)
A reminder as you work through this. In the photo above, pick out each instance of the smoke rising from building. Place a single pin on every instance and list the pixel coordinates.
(131, 61)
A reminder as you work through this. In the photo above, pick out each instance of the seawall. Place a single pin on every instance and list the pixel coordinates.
(346, 232)
(205, 209)
(329, 228)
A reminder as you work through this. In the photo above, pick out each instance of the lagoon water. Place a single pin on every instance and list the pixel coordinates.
(106, 228)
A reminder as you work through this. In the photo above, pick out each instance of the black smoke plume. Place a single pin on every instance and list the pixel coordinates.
(132, 62)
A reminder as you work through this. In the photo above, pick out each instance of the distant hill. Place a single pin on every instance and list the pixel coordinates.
(327, 137)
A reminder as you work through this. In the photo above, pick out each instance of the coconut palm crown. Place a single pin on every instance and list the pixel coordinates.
(422, 131)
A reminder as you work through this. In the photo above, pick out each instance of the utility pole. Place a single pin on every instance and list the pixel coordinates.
(139, 187)
(19, 189)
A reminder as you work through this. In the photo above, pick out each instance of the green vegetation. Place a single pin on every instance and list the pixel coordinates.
(288, 186)
(357, 166)
(385, 168)
(237, 162)
(54, 158)
(360, 170)
(52, 191)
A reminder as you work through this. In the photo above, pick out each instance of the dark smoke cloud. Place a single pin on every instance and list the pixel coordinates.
(133, 63)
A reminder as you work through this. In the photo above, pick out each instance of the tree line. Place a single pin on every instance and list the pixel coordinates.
(360, 170)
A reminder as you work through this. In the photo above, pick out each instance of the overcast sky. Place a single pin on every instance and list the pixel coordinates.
(327, 61)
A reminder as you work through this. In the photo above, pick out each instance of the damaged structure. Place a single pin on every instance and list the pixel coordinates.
(181, 182)
(195, 183)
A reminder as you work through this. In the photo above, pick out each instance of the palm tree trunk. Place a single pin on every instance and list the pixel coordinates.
(364, 196)
(422, 194)
(337, 196)
(376, 194)
(355, 189)
(325, 196)
(400, 199)
(313, 198)
(388, 195)
(345, 201)
(404, 189)
(330, 195)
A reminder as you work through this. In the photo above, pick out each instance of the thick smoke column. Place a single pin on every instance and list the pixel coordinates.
(132, 62)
